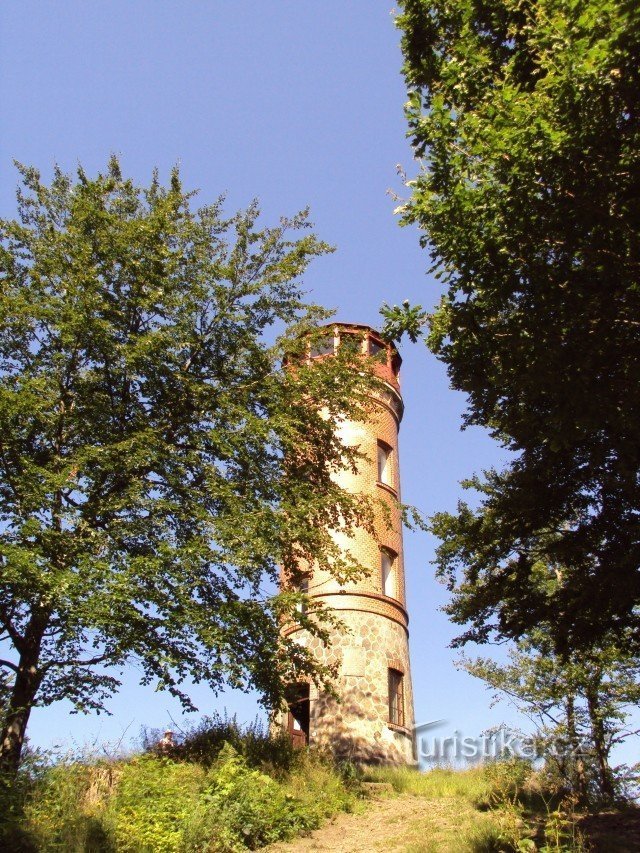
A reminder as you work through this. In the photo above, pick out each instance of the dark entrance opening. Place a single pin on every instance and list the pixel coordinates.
(298, 715)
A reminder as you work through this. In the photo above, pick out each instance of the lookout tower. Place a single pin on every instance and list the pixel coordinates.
(373, 721)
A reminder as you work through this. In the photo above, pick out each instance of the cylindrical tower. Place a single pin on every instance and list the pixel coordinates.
(373, 719)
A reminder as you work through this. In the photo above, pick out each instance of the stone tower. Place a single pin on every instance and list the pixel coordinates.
(374, 721)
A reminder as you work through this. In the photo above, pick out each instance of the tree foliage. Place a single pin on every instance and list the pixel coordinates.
(526, 114)
(157, 463)
(580, 706)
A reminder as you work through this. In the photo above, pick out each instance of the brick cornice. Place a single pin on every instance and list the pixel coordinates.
(344, 601)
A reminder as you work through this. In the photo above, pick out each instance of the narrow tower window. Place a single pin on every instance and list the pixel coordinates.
(385, 472)
(375, 347)
(350, 341)
(323, 346)
(387, 567)
(396, 697)
(303, 588)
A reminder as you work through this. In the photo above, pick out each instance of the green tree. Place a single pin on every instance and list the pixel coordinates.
(580, 705)
(526, 117)
(157, 463)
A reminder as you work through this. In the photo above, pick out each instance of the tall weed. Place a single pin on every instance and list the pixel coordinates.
(65, 810)
(154, 799)
(242, 807)
(204, 742)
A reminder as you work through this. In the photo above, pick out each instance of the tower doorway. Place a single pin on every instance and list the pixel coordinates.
(298, 715)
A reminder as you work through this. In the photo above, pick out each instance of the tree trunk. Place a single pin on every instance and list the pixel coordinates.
(577, 761)
(605, 777)
(25, 689)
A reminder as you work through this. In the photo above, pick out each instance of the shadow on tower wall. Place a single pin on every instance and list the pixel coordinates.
(353, 729)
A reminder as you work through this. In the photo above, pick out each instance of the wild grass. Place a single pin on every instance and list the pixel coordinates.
(208, 795)
(221, 792)
(472, 784)
(498, 806)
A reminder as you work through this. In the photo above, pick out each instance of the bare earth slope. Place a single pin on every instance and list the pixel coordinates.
(405, 823)
(415, 824)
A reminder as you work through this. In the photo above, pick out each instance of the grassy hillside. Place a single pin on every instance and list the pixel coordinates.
(221, 789)
(225, 790)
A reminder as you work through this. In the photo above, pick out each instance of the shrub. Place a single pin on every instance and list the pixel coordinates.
(154, 799)
(65, 809)
(157, 803)
(498, 832)
(506, 781)
(320, 789)
(241, 807)
(14, 793)
(204, 742)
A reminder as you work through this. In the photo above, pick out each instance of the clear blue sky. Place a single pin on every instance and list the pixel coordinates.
(296, 103)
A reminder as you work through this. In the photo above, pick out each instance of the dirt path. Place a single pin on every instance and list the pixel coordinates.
(404, 823)
(411, 824)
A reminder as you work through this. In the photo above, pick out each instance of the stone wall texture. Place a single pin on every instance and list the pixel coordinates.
(356, 725)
